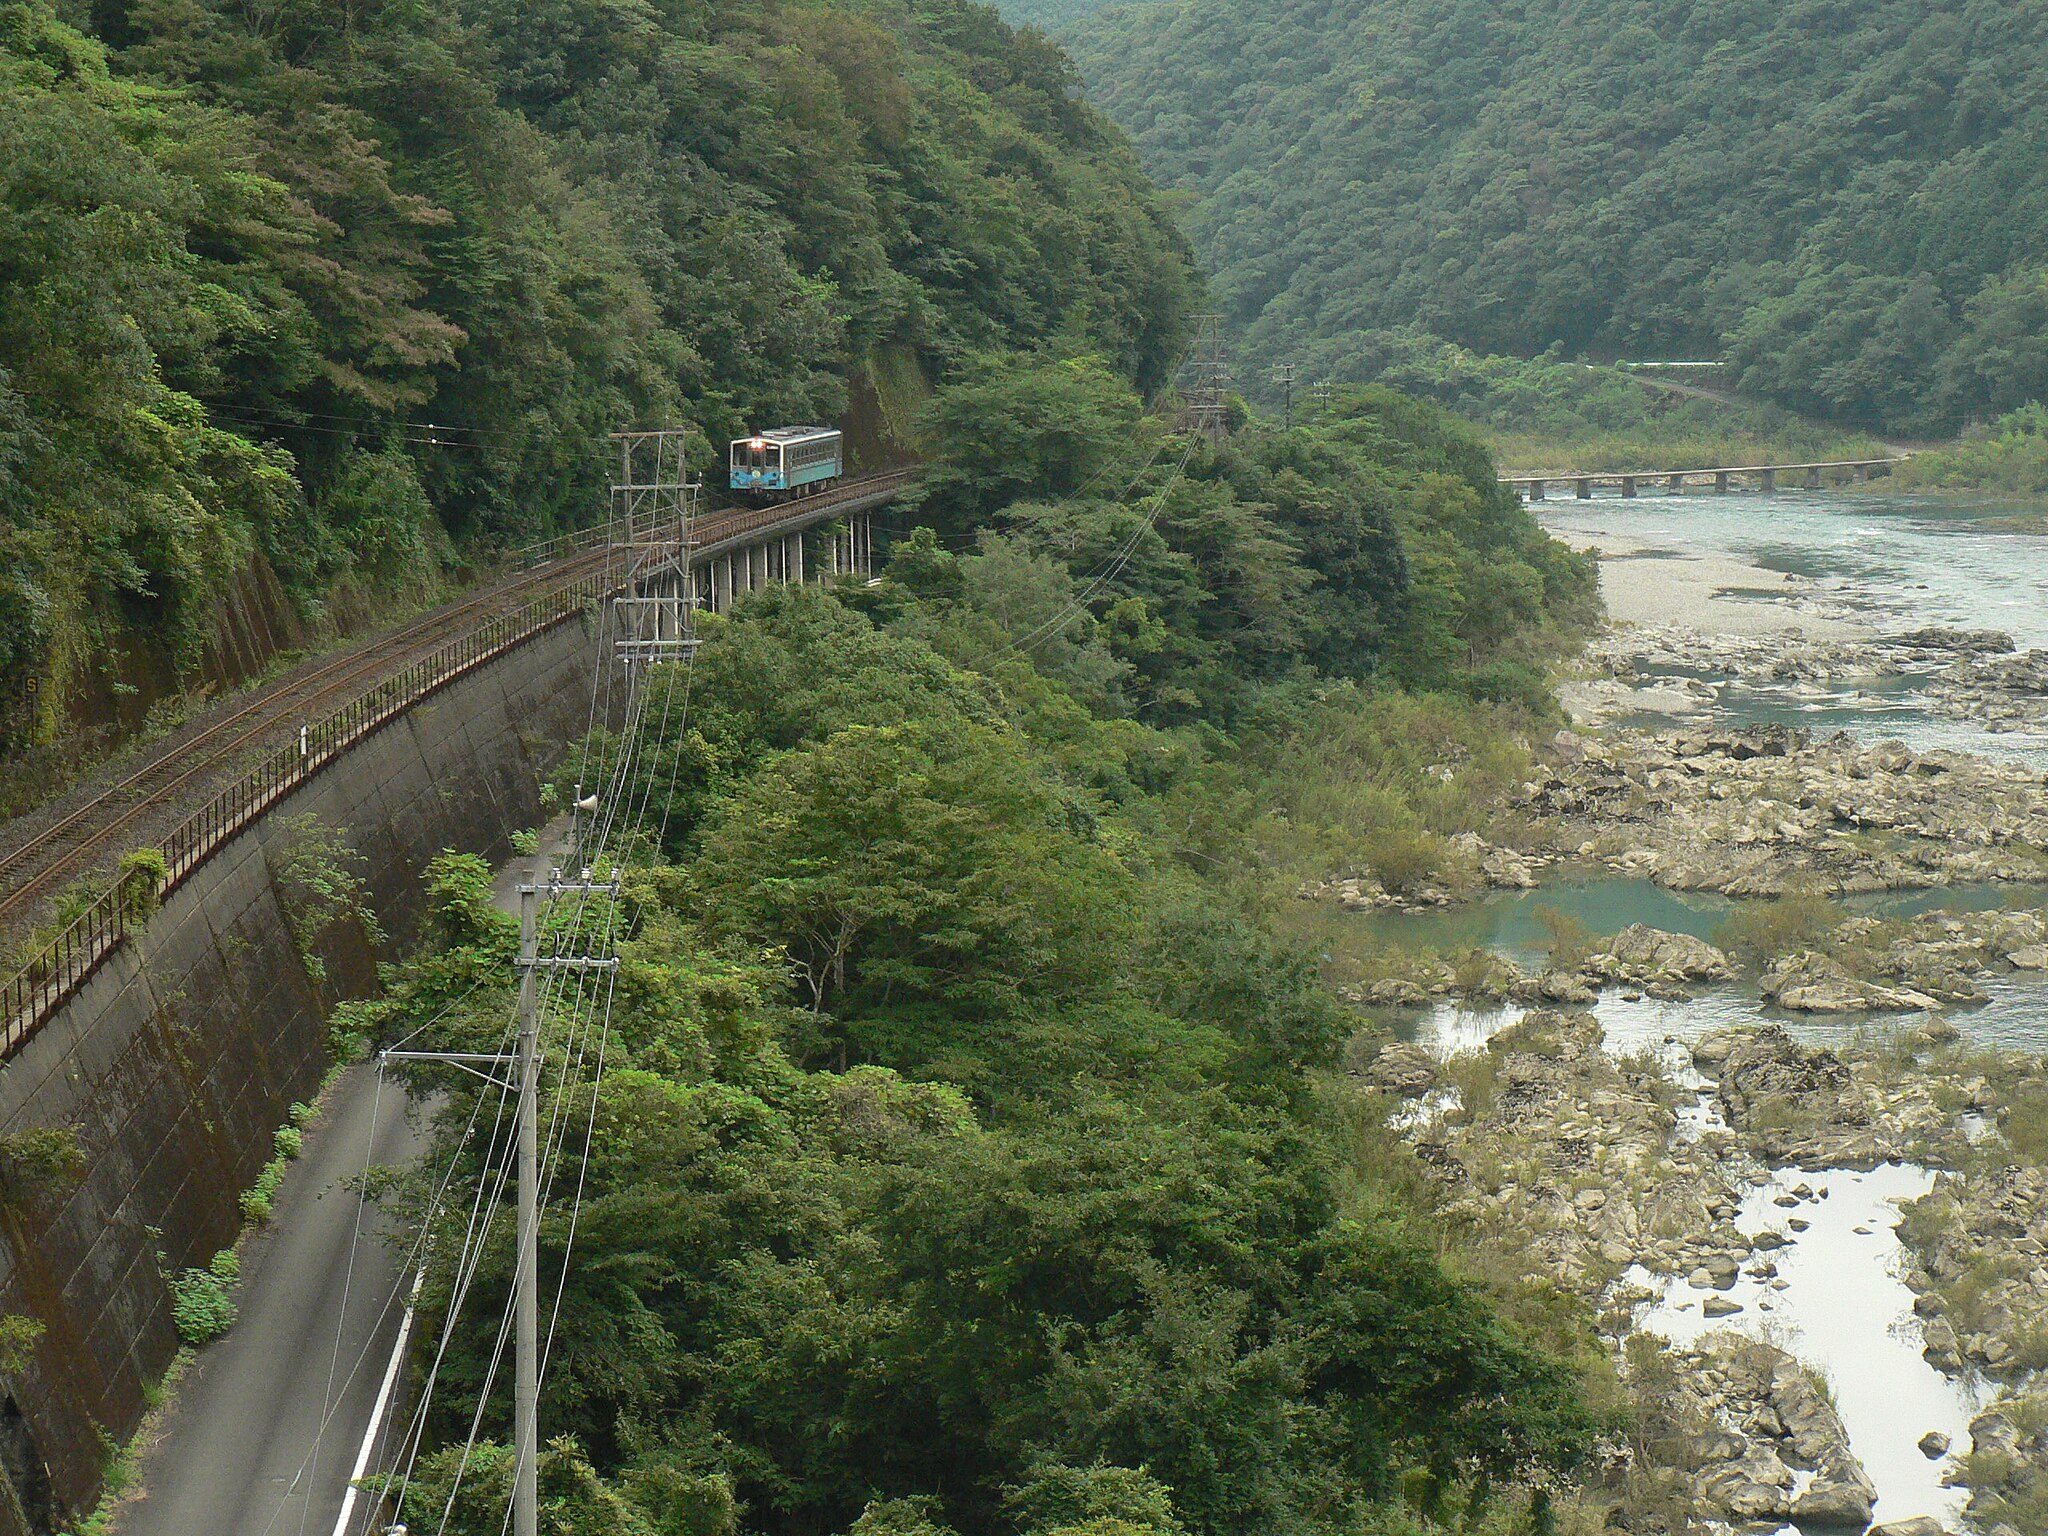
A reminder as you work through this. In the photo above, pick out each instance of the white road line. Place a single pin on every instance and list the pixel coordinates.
(348, 1498)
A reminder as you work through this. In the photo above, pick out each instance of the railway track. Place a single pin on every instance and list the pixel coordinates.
(71, 845)
(99, 827)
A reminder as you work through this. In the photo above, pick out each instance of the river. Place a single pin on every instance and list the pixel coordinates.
(1863, 560)
(1860, 564)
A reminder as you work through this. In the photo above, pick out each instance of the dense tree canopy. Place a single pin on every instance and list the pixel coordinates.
(323, 286)
(970, 1159)
(1849, 202)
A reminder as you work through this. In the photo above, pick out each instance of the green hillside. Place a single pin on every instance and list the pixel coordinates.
(301, 305)
(1849, 201)
(1049, 13)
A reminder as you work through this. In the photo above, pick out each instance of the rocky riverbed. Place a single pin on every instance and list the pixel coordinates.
(1680, 1186)
(1767, 810)
(1974, 675)
(1815, 1243)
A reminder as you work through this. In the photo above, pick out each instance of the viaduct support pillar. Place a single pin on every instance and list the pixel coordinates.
(1768, 480)
(1721, 482)
(1813, 478)
(1585, 488)
(1628, 485)
(1536, 489)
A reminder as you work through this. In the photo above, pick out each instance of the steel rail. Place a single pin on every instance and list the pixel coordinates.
(570, 586)
(48, 857)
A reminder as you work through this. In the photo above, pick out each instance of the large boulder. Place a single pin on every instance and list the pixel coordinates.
(1715, 1047)
(1809, 982)
(1647, 956)
(1919, 1525)
(1839, 1497)
(1402, 1069)
(1771, 1080)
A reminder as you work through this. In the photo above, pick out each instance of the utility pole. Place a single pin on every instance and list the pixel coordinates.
(525, 1064)
(1284, 375)
(1207, 380)
(526, 1284)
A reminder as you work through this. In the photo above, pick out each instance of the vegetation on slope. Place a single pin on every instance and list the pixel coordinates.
(969, 1157)
(293, 297)
(1851, 204)
(1547, 413)
(2007, 457)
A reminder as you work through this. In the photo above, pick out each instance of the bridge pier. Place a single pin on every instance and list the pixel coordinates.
(1767, 480)
(1721, 481)
(1813, 478)
(1678, 485)
(1628, 485)
(1536, 489)
(1585, 488)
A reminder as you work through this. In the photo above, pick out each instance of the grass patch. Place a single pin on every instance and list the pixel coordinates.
(1761, 931)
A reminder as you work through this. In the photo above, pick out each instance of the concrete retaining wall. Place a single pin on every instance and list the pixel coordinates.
(185, 1051)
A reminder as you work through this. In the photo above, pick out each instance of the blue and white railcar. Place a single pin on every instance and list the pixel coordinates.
(787, 460)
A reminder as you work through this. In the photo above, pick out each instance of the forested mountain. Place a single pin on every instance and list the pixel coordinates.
(1851, 201)
(291, 297)
(1049, 13)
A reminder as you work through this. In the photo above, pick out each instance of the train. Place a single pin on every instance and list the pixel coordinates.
(787, 461)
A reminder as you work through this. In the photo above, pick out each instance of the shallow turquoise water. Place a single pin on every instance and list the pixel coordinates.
(1894, 562)
(1510, 922)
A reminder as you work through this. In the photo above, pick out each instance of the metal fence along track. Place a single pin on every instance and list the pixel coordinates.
(64, 965)
(585, 576)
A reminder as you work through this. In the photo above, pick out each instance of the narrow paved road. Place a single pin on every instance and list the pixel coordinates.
(266, 1423)
(265, 1428)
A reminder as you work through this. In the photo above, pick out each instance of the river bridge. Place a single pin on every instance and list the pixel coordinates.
(1812, 476)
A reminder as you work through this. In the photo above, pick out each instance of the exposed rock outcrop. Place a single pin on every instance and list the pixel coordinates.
(1651, 957)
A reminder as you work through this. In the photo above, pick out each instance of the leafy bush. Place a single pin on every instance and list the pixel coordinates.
(318, 876)
(202, 1304)
(39, 1161)
(2009, 456)
(19, 1335)
(1570, 940)
(142, 876)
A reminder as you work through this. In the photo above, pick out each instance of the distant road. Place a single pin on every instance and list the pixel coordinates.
(265, 1426)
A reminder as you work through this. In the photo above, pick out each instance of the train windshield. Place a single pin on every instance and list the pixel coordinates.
(756, 454)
